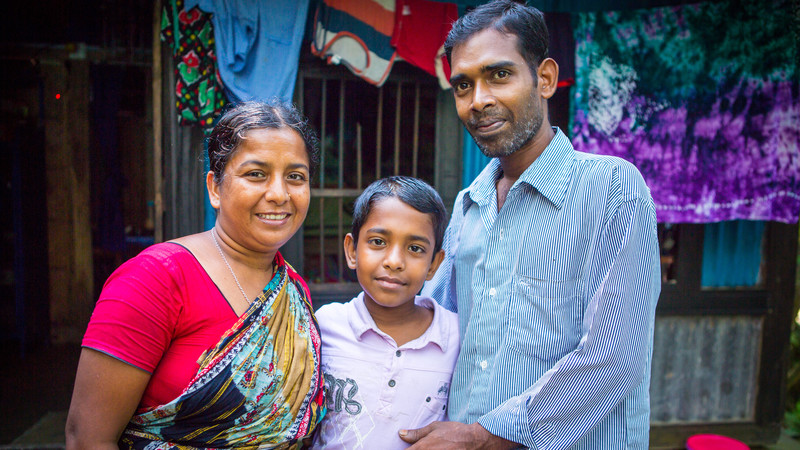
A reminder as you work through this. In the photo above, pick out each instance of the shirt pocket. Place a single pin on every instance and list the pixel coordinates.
(545, 317)
(430, 411)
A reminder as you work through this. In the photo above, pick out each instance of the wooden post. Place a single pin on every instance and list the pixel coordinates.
(158, 117)
(66, 124)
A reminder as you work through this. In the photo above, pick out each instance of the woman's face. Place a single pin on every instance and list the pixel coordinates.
(265, 190)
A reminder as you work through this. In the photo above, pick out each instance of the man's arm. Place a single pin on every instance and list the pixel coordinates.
(455, 435)
(613, 355)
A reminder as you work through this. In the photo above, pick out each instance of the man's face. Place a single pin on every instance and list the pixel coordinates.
(495, 93)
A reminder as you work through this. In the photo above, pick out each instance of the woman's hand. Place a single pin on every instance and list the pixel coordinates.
(106, 394)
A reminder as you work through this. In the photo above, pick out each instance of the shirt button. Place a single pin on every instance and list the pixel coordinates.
(392, 383)
(428, 399)
(397, 353)
(484, 364)
(492, 291)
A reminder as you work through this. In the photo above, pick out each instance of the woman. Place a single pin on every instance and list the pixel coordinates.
(209, 340)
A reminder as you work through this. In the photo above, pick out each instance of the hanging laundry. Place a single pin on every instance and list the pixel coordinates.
(356, 33)
(257, 45)
(732, 253)
(420, 29)
(198, 92)
(704, 99)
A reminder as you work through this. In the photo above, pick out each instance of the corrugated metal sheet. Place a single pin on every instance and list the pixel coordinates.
(705, 369)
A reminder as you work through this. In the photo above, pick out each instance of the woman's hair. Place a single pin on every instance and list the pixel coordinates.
(508, 17)
(241, 118)
(411, 191)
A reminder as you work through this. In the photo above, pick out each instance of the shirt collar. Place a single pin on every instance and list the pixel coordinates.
(548, 174)
(438, 332)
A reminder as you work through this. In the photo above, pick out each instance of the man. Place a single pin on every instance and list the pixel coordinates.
(552, 262)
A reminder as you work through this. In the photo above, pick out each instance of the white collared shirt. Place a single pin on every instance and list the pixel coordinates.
(375, 388)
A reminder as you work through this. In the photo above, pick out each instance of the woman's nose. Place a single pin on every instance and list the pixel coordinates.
(276, 192)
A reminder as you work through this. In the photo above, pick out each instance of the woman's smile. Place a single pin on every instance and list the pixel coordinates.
(272, 216)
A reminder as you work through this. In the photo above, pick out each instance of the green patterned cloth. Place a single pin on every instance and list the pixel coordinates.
(199, 95)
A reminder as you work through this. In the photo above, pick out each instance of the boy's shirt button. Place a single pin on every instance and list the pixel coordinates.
(392, 383)
(398, 353)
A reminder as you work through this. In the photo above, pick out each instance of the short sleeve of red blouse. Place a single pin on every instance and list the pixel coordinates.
(159, 311)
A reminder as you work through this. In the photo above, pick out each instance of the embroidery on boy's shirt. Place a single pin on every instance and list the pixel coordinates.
(444, 389)
(340, 393)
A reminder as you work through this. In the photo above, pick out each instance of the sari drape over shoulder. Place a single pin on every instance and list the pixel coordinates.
(260, 387)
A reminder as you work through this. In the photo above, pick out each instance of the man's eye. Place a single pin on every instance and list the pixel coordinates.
(462, 86)
(502, 74)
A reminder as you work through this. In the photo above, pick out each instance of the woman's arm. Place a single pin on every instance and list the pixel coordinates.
(106, 394)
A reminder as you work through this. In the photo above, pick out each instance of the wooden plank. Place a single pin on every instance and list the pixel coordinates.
(82, 299)
(158, 88)
(335, 193)
(780, 263)
(674, 437)
(66, 123)
(448, 162)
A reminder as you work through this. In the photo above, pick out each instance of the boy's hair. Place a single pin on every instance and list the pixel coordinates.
(509, 17)
(411, 191)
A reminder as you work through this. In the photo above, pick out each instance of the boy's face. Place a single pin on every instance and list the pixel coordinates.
(394, 255)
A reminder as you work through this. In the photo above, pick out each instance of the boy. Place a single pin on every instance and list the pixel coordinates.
(388, 354)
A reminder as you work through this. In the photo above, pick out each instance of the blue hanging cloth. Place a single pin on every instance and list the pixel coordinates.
(732, 253)
(473, 160)
(257, 45)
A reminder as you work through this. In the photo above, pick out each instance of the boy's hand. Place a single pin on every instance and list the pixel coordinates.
(454, 435)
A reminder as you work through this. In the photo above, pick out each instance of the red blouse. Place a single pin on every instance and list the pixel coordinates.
(160, 311)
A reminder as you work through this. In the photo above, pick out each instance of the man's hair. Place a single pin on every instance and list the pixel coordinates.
(240, 118)
(509, 17)
(411, 191)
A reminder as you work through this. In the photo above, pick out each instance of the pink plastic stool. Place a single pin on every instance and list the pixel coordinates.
(714, 442)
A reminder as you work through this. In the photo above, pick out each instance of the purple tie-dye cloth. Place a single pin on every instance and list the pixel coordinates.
(703, 98)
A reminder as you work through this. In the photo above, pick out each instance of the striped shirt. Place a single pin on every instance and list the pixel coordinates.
(556, 295)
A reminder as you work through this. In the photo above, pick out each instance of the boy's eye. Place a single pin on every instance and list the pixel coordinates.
(416, 249)
(375, 241)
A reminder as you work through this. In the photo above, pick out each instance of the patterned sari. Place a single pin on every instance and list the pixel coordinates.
(260, 387)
